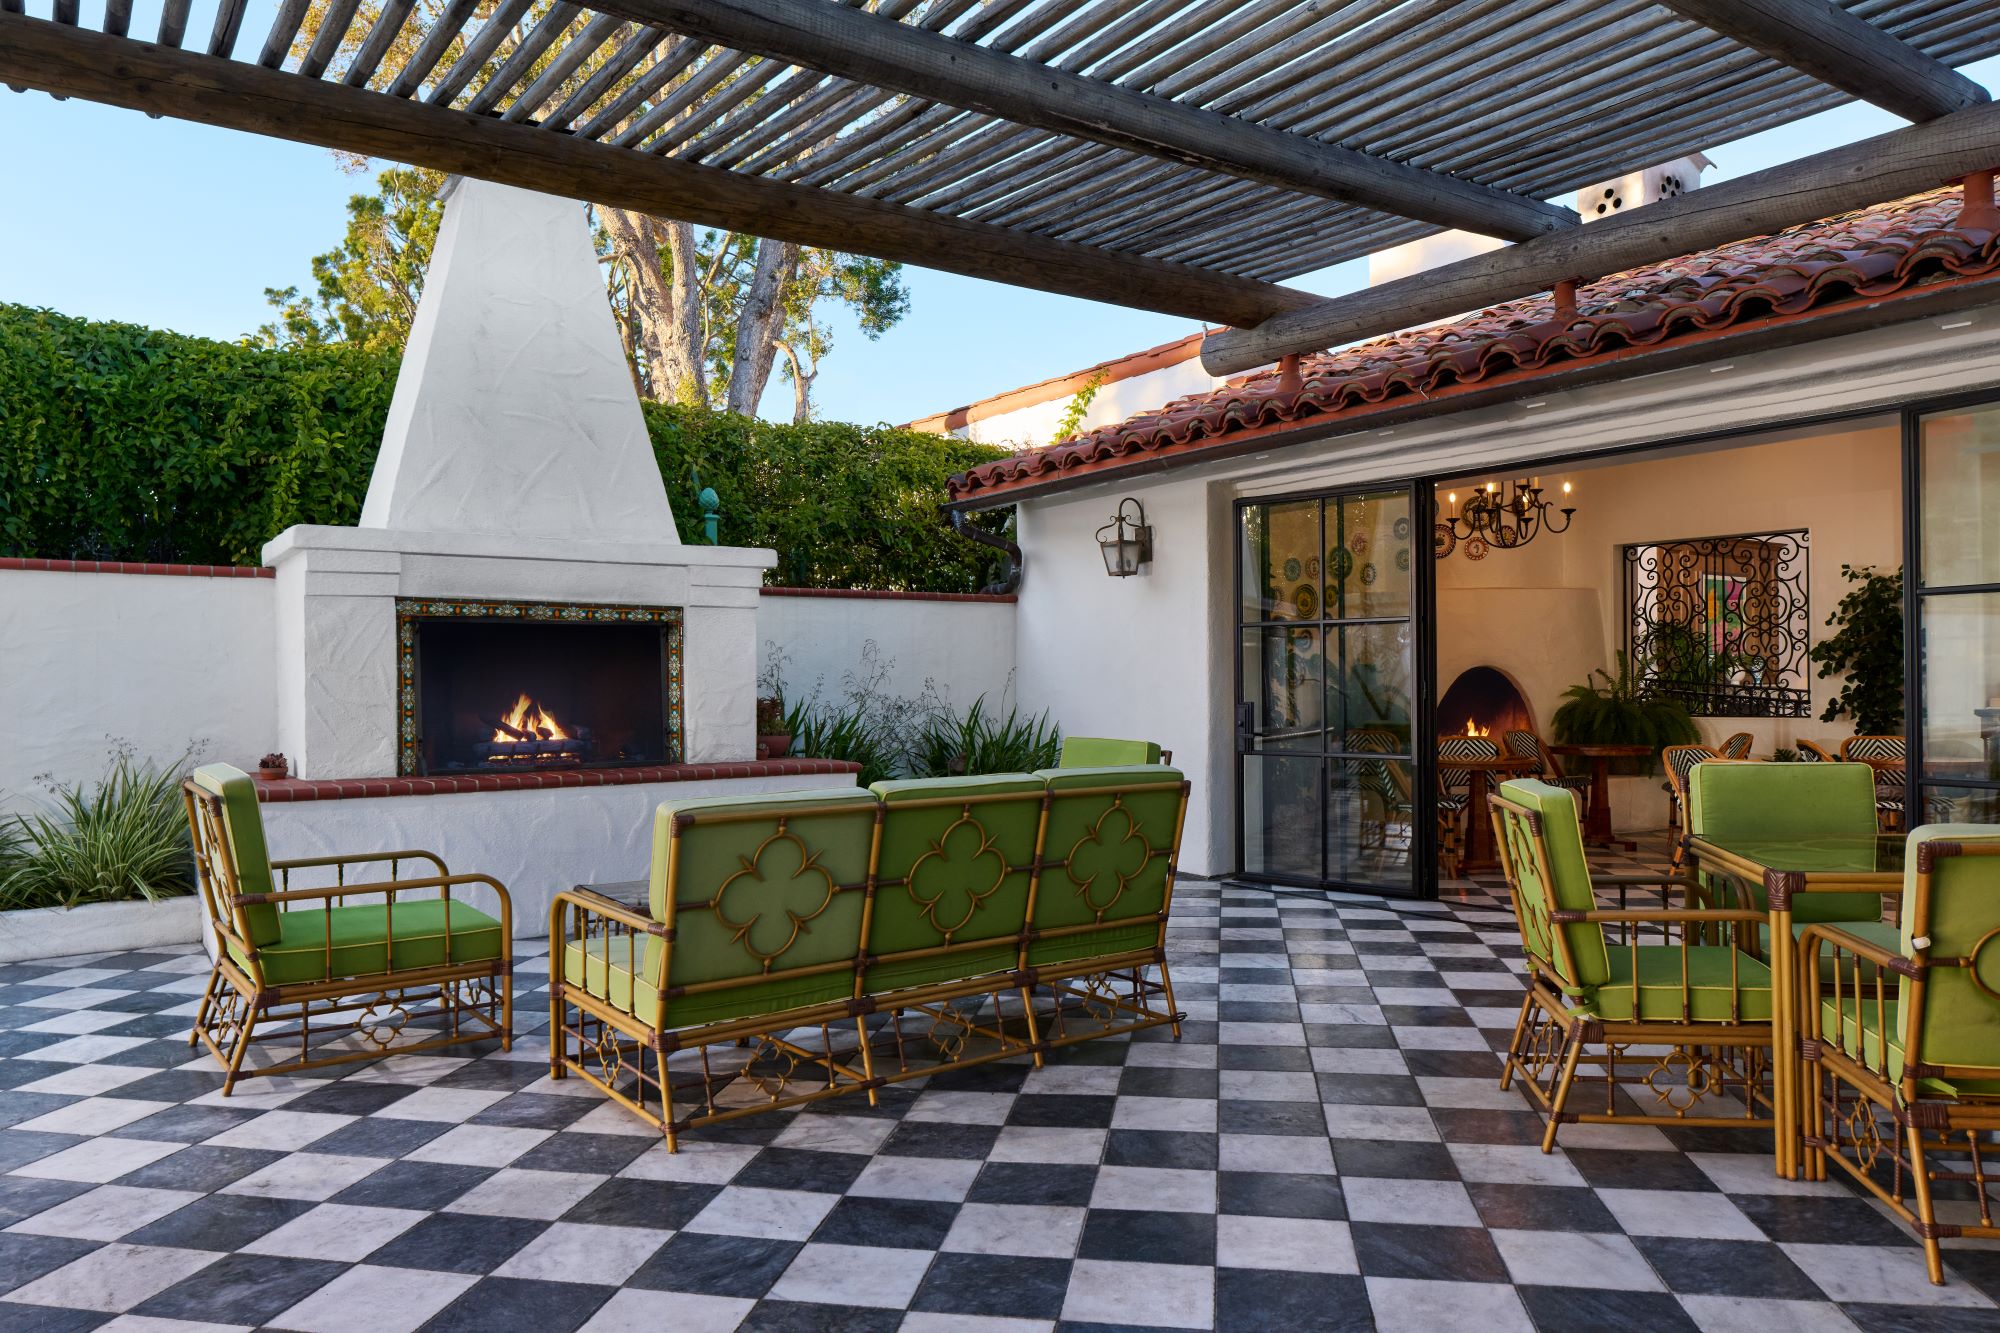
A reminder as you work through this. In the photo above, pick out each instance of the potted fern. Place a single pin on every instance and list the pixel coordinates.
(1623, 710)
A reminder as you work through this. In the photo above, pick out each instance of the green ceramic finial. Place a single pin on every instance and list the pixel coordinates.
(711, 509)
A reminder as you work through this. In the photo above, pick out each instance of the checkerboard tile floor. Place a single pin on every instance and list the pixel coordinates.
(1325, 1148)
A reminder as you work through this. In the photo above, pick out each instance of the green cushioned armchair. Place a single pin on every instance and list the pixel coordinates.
(1902, 1048)
(849, 939)
(344, 972)
(1603, 980)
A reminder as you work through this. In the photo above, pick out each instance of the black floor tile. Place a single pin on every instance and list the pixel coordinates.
(996, 1286)
(242, 1289)
(500, 1302)
(716, 1265)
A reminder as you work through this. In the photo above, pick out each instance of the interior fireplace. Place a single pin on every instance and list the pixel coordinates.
(1484, 701)
(509, 686)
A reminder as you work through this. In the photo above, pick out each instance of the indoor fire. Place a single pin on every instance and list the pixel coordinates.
(1471, 729)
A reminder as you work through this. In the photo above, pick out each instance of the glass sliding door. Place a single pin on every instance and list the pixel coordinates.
(1955, 722)
(1326, 678)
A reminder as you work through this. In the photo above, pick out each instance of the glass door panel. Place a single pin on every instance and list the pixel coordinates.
(1325, 681)
(1956, 620)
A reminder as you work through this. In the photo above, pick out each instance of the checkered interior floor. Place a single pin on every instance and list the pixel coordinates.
(1325, 1147)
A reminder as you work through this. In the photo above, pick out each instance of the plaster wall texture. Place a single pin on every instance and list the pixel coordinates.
(1075, 636)
(1145, 657)
(534, 842)
(815, 647)
(163, 663)
(514, 411)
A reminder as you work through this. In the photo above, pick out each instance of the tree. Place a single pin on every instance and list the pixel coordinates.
(704, 314)
(368, 286)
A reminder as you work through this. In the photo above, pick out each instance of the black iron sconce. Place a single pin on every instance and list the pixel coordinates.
(1127, 543)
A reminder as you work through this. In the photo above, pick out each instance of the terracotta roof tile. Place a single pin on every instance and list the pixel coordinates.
(1853, 258)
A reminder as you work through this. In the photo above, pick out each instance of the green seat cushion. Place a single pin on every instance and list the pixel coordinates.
(607, 974)
(243, 825)
(355, 940)
(1883, 934)
(1857, 1025)
(1103, 752)
(1715, 994)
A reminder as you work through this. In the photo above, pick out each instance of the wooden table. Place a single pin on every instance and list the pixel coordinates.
(1784, 868)
(1597, 824)
(1479, 857)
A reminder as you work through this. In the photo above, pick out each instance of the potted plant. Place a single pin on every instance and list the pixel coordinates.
(1866, 651)
(774, 737)
(1623, 711)
(271, 768)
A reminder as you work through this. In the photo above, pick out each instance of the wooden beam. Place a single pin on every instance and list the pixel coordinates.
(856, 45)
(1888, 166)
(145, 77)
(1842, 49)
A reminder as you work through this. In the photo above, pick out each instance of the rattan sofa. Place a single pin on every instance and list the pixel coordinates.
(801, 946)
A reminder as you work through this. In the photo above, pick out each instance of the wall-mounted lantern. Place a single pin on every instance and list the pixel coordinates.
(1127, 541)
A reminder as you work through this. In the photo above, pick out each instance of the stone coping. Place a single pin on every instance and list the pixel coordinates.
(335, 789)
(137, 567)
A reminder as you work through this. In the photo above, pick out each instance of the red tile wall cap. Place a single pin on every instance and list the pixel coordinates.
(890, 594)
(335, 789)
(1854, 258)
(138, 567)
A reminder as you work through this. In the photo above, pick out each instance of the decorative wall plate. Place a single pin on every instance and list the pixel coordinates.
(1341, 562)
(1368, 574)
(1358, 543)
(1292, 570)
(1403, 559)
(1312, 568)
(1443, 541)
(1306, 602)
(1475, 548)
(1402, 528)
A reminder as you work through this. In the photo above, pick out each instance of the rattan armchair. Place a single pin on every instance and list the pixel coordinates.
(1901, 1073)
(1697, 1004)
(345, 972)
(1680, 761)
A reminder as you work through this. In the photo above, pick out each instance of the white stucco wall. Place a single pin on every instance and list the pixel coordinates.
(813, 646)
(165, 663)
(1145, 657)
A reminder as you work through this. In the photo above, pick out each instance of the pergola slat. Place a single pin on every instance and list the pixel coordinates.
(437, 42)
(862, 47)
(121, 72)
(277, 42)
(522, 59)
(326, 42)
(1885, 167)
(117, 17)
(173, 22)
(630, 55)
(1836, 47)
(478, 51)
(595, 34)
(376, 45)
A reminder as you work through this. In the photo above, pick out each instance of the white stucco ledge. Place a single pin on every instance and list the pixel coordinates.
(36, 934)
(288, 790)
(508, 546)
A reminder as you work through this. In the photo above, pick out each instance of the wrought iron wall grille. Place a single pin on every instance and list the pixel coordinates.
(1723, 624)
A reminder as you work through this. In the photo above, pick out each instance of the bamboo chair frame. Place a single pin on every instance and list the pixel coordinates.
(1849, 1133)
(804, 1054)
(240, 1007)
(1553, 1033)
(1677, 820)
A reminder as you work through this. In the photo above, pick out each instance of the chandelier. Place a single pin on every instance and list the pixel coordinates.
(1498, 516)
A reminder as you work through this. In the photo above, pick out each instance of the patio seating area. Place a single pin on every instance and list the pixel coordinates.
(1326, 1146)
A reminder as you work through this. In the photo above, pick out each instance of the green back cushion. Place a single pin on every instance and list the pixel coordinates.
(761, 885)
(1781, 801)
(956, 861)
(1560, 884)
(243, 825)
(1107, 857)
(1961, 1022)
(1102, 752)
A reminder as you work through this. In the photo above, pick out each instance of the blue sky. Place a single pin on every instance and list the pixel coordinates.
(110, 215)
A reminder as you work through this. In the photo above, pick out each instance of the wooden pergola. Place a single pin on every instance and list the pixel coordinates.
(1185, 156)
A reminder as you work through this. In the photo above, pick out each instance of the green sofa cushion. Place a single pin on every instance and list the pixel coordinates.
(1714, 994)
(1103, 752)
(243, 825)
(1752, 801)
(952, 873)
(360, 946)
(1562, 835)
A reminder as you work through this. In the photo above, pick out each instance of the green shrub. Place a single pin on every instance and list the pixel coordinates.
(119, 442)
(1623, 711)
(1865, 653)
(125, 838)
(850, 733)
(980, 742)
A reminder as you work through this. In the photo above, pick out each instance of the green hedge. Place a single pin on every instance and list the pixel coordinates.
(119, 442)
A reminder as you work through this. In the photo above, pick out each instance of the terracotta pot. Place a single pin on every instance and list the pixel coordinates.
(774, 745)
(272, 768)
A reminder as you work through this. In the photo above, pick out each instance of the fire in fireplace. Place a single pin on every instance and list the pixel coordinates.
(506, 686)
(1483, 701)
